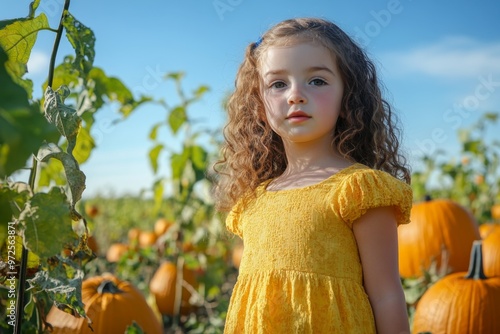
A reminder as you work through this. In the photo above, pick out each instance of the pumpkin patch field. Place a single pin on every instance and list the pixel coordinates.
(161, 260)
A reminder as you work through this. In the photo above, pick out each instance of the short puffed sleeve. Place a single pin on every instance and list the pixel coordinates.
(367, 189)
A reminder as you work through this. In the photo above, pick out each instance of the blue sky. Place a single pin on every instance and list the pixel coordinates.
(439, 61)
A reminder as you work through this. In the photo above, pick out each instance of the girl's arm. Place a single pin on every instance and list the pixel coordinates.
(377, 239)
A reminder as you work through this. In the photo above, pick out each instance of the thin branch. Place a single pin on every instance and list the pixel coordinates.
(56, 44)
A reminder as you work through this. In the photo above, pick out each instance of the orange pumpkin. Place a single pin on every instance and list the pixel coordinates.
(162, 225)
(495, 211)
(111, 304)
(491, 253)
(133, 236)
(487, 228)
(236, 255)
(163, 286)
(465, 303)
(147, 239)
(116, 251)
(436, 225)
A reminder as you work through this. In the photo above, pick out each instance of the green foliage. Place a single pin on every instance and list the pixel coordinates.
(473, 180)
(39, 218)
(22, 126)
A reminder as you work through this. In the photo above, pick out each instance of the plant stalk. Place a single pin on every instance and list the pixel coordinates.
(56, 44)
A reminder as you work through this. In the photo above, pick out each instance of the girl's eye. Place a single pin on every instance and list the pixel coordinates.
(318, 82)
(277, 84)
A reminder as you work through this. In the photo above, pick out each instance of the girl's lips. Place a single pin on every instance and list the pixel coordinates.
(298, 119)
(298, 116)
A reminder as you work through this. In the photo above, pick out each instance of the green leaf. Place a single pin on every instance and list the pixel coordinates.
(84, 146)
(114, 90)
(158, 190)
(198, 93)
(22, 127)
(82, 39)
(154, 131)
(473, 146)
(134, 329)
(50, 173)
(74, 176)
(19, 37)
(33, 7)
(64, 74)
(62, 116)
(63, 283)
(153, 156)
(177, 118)
(176, 76)
(178, 163)
(46, 223)
(199, 157)
(491, 116)
(199, 160)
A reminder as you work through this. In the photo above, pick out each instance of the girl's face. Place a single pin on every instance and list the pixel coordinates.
(302, 90)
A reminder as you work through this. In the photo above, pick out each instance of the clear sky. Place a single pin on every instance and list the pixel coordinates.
(439, 61)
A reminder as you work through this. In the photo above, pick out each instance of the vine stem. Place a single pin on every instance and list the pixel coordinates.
(32, 177)
(56, 44)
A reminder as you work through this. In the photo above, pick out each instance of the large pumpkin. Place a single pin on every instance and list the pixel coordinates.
(112, 305)
(491, 252)
(465, 303)
(163, 286)
(487, 228)
(436, 226)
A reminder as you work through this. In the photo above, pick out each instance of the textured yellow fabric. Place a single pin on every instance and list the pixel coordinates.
(300, 271)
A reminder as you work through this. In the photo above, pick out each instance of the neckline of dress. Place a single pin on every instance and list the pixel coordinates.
(329, 178)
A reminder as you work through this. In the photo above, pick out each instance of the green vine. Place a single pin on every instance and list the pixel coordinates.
(43, 236)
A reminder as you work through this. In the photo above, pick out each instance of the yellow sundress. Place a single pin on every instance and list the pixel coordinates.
(300, 271)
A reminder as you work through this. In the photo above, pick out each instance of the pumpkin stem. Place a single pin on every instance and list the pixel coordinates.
(427, 198)
(476, 261)
(108, 286)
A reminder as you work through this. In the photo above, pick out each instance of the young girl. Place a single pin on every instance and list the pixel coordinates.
(316, 187)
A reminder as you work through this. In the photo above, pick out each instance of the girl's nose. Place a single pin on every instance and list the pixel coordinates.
(296, 96)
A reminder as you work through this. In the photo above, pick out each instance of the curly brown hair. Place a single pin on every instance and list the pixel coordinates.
(366, 130)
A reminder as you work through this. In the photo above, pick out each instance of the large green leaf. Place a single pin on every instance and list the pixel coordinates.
(18, 39)
(12, 197)
(62, 116)
(178, 163)
(106, 88)
(84, 145)
(74, 176)
(63, 283)
(153, 156)
(46, 223)
(177, 118)
(83, 41)
(22, 127)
